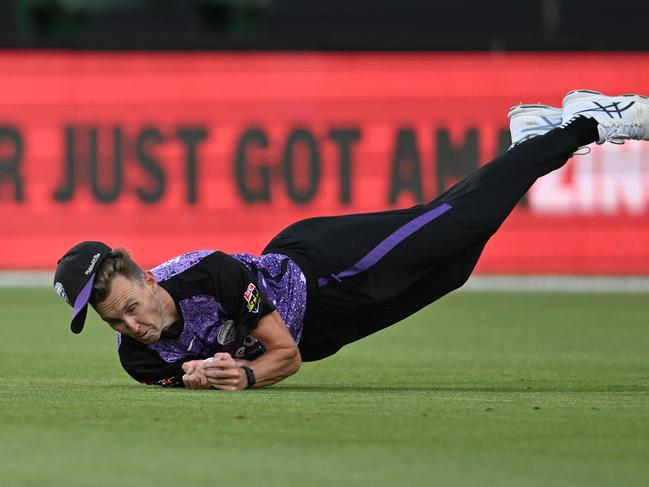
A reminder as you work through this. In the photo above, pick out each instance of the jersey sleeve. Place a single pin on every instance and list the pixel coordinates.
(237, 289)
(147, 367)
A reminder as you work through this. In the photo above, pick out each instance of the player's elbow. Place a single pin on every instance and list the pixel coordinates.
(294, 360)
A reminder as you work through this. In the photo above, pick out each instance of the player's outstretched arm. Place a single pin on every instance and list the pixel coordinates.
(281, 359)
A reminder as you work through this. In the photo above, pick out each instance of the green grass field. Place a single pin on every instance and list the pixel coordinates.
(478, 389)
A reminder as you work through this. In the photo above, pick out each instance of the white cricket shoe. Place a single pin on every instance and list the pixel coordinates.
(619, 118)
(527, 121)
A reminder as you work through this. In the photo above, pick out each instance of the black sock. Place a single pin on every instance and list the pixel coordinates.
(583, 128)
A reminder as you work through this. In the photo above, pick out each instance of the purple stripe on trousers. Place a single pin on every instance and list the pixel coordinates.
(390, 242)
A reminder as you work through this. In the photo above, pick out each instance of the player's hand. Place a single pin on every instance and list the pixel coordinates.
(223, 372)
(194, 377)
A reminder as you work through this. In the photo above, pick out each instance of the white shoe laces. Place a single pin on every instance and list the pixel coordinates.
(582, 151)
(617, 133)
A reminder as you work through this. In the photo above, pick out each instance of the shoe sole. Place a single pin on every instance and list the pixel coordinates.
(533, 109)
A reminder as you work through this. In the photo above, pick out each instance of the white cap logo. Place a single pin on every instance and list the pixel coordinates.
(92, 263)
(58, 287)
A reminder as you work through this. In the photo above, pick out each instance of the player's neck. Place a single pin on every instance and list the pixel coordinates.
(169, 312)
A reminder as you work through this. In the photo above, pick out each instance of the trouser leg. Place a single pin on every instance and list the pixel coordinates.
(377, 268)
(384, 253)
(324, 338)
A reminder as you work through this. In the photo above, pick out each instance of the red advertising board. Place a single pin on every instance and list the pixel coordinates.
(164, 153)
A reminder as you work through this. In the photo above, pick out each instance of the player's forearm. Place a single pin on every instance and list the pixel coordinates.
(274, 366)
(280, 360)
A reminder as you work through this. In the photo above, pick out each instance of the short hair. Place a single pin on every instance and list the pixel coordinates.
(117, 262)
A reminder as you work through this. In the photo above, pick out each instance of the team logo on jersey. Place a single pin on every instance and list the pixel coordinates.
(249, 291)
(227, 333)
(252, 298)
(58, 287)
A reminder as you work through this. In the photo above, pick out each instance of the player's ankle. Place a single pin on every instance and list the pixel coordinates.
(583, 128)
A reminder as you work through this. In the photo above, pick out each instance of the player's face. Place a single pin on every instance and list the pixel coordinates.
(134, 308)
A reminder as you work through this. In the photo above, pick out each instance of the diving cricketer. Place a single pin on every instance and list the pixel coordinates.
(207, 319)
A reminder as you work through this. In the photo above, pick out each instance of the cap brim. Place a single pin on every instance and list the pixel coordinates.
(80, 308)
(79, 320)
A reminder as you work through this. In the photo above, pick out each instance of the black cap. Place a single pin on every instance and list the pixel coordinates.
(75, 275)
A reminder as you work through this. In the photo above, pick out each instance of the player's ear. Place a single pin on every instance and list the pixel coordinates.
(150, 279)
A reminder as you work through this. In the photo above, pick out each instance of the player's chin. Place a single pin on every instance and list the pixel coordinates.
(149, 337)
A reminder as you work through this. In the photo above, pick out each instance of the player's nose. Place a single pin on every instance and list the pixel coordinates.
(132, 324)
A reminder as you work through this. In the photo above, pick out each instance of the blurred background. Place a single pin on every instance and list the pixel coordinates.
(171, 125)
(333, 25)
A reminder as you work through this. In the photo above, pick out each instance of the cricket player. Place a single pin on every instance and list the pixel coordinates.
(211, 320)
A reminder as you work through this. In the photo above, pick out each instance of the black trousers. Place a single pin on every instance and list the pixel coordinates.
(368, 271)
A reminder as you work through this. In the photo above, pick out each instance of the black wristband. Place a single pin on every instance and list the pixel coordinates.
(250, 376)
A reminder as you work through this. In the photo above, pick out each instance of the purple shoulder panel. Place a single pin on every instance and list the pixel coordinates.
(178, 264)
(284, 286)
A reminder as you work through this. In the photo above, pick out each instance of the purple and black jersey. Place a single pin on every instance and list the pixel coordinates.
(220, 299)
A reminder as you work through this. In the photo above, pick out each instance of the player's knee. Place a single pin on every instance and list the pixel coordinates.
(461, 277)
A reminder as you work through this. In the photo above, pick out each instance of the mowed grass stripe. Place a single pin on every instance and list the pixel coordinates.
(478, 389)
